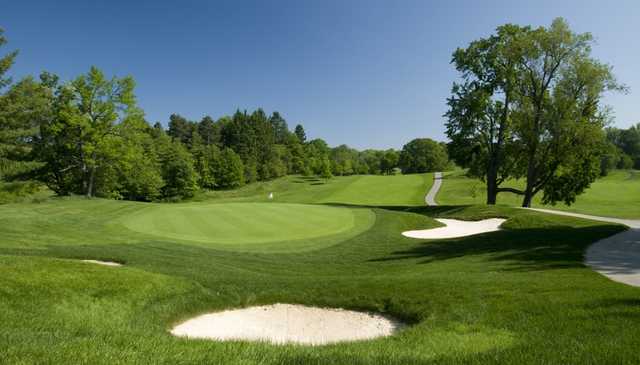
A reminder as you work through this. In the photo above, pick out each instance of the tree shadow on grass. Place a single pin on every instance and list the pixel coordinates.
(464, 212)
(557, 247)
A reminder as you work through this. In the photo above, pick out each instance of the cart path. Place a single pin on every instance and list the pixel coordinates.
(430, 198)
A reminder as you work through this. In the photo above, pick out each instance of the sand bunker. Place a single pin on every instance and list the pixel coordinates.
(105, 263)
(457, 228)
(287, 323)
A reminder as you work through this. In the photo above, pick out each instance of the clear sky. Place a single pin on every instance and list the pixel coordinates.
(366, 73)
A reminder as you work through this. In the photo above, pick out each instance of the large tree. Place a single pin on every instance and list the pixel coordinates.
(76, 145)
(479, 121)
(529, 106)
(423, 155)
(560, 119)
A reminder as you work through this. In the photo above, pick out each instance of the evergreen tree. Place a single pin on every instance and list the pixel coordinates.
(299, 132)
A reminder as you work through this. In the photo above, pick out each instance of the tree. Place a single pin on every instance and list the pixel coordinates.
(279, 127)
(5, 62)
(76, 145)
(529, 107)
(559, 123)
(422, 155)
(180, 129)
(229, 172)
(389, 161)
(209, 131)
(627, 142)
(203, 156)
(299, 132)
(325, 169)
(479, 119)
(343, 160)
(26, 105)
(137, 171)
(178, 172)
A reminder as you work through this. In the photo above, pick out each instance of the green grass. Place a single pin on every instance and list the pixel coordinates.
(615, 195)
(521, 295)
(250, 224)
(394, 190)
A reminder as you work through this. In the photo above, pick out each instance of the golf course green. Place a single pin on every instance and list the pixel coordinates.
(242, 223)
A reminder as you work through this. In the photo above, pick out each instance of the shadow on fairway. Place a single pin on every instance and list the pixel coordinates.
(523, 249)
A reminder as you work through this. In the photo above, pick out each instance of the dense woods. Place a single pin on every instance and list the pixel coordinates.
(88, 136)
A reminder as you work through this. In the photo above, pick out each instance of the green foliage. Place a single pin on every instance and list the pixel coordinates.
(180, 129)
(6, 62)
(325, 169)
(299, 132)
(389, 161)
(178, 172)
(627, 142)
(279, 127)
(229, 171)
(23, 108)
(78, 144)
(137, 169)
(423, 155)
(529, 107)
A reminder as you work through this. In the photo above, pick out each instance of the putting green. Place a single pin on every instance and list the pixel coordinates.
(243, 223)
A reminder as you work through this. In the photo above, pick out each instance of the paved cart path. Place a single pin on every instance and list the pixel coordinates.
(430, 198)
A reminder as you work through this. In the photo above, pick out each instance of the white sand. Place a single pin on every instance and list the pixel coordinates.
(286, 323)
(105, 263)
(457, 228)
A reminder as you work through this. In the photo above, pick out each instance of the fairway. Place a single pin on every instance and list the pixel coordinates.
(240, 223)
(369, 190)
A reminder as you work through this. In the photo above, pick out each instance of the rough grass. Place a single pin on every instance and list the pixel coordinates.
(521, 295)
(615, 195)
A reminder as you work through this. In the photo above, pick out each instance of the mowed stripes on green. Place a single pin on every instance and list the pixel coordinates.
(241, 223)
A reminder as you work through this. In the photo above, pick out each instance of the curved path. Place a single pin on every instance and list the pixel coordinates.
(616, 257)
(430, 198)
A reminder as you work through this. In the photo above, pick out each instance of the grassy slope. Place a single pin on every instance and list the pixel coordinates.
(616, 195)
(517, 296)
(405, 190)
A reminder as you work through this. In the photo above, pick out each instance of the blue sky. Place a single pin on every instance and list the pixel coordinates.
(365, 73)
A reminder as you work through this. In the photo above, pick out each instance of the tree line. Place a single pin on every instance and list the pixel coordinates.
(88, 136)
(529, 106)
(622, 150)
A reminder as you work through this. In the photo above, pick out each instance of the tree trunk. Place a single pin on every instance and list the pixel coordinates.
(92, 174)
(492, 184)
(531, 180)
